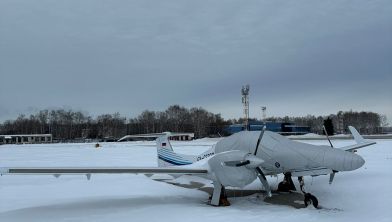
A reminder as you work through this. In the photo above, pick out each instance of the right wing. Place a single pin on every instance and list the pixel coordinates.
(357, 146)
(361, 142)
(101, 170)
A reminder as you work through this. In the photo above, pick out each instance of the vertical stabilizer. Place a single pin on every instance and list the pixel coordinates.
(166, 155)
(164, 143)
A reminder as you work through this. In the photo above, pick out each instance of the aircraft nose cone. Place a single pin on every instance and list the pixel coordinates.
(340, 160)
(357, 161)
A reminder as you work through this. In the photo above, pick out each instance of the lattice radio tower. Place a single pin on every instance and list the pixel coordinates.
(245, 102)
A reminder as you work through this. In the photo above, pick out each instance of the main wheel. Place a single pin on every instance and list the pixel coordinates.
(310, 199)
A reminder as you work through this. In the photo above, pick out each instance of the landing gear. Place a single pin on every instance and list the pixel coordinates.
(287, 184)
(308, 197)
(223, 201)
(219, 196)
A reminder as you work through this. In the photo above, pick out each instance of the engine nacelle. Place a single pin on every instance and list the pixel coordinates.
(231, 175)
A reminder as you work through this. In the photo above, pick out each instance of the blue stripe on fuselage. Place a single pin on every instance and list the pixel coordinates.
(173, 155)
(172, 161)
(175, 160)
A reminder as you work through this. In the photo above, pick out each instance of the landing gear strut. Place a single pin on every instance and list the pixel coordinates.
(287, 184)
(309, 198)
(219, 196)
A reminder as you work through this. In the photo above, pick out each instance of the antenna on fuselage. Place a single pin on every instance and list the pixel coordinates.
(326, 134)
(332, 175)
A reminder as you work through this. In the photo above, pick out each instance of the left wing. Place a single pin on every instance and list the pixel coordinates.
(101, 170)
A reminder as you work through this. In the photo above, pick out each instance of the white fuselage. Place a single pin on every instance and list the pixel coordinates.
(279, 155)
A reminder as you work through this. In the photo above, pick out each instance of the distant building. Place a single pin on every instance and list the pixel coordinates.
(294, 130)
(386, 130)
(154, 136)
(25, 138)
(278, 127)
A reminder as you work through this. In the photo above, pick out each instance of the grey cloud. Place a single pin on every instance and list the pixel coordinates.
(103, 56)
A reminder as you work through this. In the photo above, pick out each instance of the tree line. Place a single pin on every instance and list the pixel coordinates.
(364, 122)
(68, 124)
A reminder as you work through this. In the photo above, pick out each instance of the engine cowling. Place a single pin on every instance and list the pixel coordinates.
(229, 175)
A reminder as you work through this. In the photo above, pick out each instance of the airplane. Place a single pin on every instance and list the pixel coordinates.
(238, 160)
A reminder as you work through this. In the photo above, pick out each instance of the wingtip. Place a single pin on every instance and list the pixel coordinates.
(357, 137)
(4, 170)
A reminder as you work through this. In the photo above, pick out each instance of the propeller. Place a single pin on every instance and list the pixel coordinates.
(253, 162)
(250, 159)
(332, 175)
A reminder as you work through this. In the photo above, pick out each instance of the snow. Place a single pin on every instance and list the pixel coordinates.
(361, 195)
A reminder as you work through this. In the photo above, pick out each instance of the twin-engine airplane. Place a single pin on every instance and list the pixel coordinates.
(238, 160)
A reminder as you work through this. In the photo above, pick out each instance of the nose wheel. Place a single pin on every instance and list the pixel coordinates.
(308, 197)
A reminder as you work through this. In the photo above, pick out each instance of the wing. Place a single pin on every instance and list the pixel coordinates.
(361, 142)
(357, 146)
(109, 170)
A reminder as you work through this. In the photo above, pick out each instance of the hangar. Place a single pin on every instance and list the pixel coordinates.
(278, 127)
(25, 138)
(153, 136)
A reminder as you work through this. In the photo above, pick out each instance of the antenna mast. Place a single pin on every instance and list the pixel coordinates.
(245, 102)
(264, 115)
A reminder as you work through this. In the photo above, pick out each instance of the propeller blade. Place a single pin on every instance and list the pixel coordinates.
(237, 163)
(250, 161)
(259, 140)
(231, 163)
(264, 181)
(243, 163)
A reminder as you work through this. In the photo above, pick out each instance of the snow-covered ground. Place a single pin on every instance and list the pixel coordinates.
(361, 195)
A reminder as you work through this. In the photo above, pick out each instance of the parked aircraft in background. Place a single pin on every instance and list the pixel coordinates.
(237, 161)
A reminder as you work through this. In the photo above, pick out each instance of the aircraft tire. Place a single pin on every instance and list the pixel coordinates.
(309, 198)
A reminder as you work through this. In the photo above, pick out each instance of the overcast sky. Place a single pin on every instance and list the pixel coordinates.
(299, 57)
